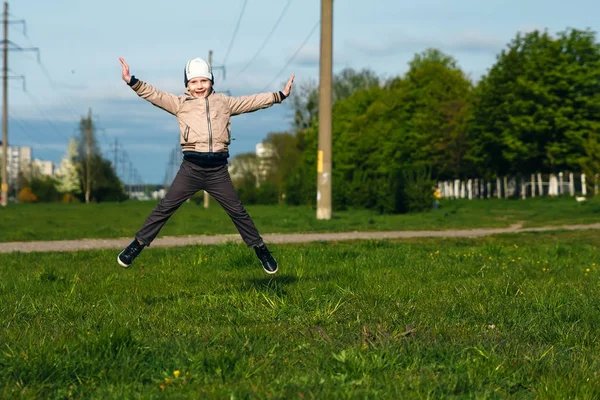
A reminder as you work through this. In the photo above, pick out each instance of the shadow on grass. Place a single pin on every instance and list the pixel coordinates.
(269, 281)
(271, 284)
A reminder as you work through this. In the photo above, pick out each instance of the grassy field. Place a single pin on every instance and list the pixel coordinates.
(513, 316)
(30, 222)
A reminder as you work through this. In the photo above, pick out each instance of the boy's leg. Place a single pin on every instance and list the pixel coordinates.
(187, 182)
(219, 186)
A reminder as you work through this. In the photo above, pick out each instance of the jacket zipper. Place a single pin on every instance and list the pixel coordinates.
(210, 142)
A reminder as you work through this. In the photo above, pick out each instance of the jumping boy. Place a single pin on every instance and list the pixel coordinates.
(205, 133)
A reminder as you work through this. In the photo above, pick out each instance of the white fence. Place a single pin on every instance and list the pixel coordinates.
(572, 184)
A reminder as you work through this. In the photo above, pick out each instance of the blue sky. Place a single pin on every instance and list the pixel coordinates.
(80, 42)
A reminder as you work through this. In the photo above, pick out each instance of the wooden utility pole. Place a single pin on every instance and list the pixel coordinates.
(325, 103)
(88, 172)
(5, 110)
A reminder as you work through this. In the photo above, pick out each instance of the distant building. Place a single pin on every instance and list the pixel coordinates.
(264, 154)
(257, 165)
(46, 168)
(18, 161)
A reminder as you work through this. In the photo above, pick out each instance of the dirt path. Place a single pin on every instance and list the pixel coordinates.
(93, 244)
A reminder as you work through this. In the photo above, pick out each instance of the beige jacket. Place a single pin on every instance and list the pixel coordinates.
(204, 123)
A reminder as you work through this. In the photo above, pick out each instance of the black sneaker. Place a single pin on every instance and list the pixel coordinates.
(268, 262)
(130, 253)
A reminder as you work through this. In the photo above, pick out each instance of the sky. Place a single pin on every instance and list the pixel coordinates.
(256, 45)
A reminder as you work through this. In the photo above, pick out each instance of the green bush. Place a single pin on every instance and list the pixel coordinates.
(44, 188)
(267, 193)
(417, 189)
(400, 191)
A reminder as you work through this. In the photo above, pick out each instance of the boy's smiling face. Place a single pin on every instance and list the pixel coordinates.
(199, 87)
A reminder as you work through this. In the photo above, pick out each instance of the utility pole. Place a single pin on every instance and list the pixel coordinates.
(88, 172)
(5, 43)
(325, 103)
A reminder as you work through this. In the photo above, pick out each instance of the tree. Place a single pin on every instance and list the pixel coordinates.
(41, 186)
(244, 175)
(97, 179)
(349, 81)
(439, 104)
(305, 104)
(26, 195)
(68, 178)
(539, 103)
(87, 151)
(416, 122)
(284, 159)
(305, 98)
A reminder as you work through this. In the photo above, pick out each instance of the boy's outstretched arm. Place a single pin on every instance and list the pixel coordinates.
(246, 104)
(167, 101)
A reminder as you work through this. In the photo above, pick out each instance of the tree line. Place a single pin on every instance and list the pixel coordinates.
(84, 174)
(537, 109)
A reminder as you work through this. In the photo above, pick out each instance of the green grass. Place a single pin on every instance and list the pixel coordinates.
(27, 222)
(512, 316)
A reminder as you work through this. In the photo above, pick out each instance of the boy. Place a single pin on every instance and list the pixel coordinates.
(205, 133)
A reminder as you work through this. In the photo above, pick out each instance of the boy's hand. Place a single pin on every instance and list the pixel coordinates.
(288, 87)
(125, 71)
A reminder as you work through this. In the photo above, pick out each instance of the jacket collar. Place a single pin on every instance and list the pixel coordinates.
(190, 97)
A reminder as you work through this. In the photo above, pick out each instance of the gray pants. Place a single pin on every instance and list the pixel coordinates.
(190, 179)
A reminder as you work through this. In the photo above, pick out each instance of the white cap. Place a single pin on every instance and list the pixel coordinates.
(197, 68)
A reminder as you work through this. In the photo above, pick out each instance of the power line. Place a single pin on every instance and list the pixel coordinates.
(39, 108)
(237, 26)
(51, 81)
(262, 46)
(101, 129)
(65, 100)
(53, 85)
(293, 56)
(12, 118)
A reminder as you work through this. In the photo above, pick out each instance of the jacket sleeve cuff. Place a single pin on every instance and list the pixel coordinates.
(133, 80)
(282, 96)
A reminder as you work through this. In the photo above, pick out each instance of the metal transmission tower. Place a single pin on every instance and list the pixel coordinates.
(8, 45)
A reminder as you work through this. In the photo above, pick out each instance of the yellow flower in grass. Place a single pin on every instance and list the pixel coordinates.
(176, 373)
(587, 270)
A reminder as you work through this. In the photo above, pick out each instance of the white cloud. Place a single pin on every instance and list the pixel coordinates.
(466, 42)
(308, 56)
